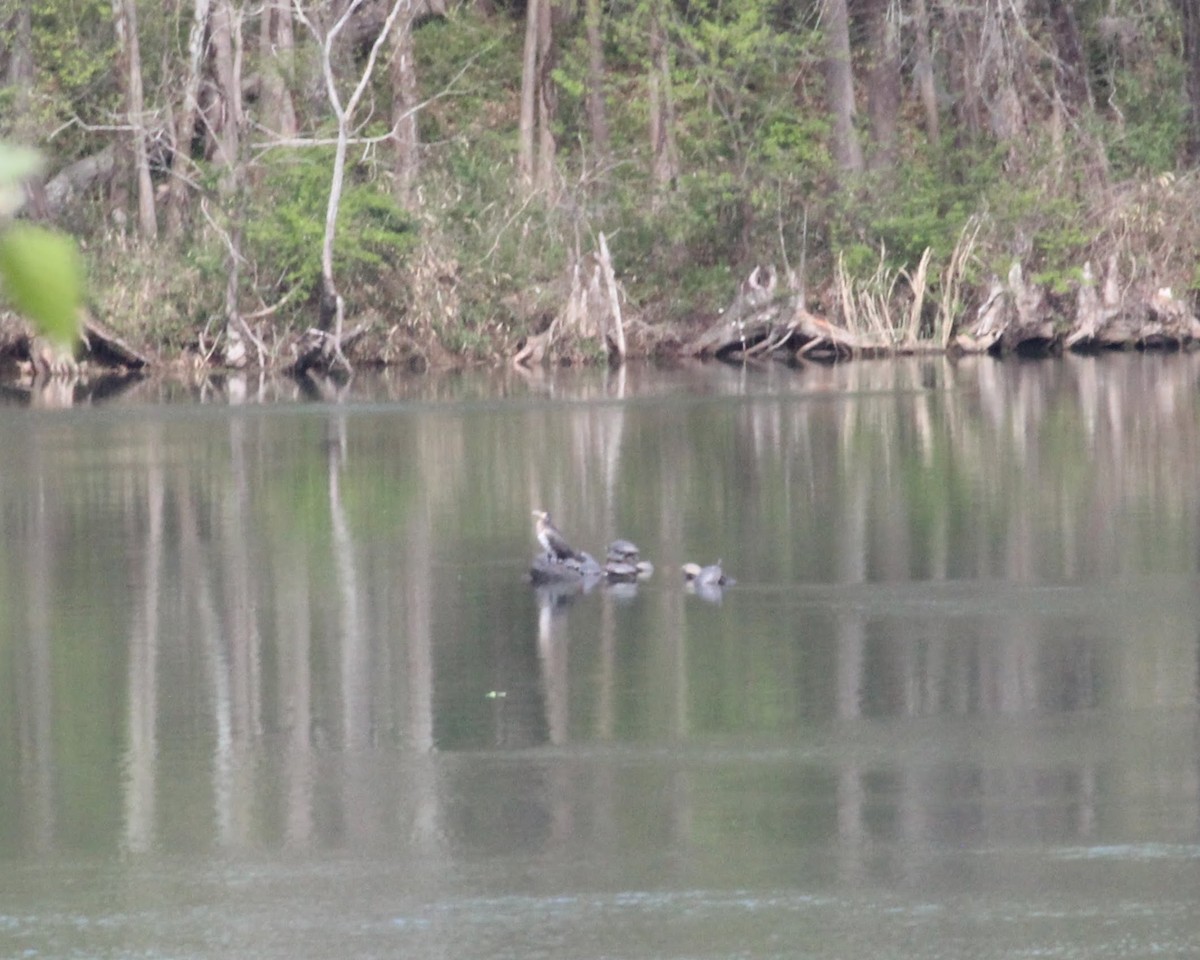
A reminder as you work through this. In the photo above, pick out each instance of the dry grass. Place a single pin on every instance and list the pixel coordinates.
(887, 310)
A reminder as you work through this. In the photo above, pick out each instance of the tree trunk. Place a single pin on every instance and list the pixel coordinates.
(332, 306)
(1189, 12)
(597, 113)
(535, 135)
(20, 57)
(407, 162)
(21, 80)
(839, 84)
(185, 128)
(275, 47)
(994, 65)
(129, 65)
(967, 79)
(227, 61)
(665, 159)
(923, 72)
(883, 81)
(1071, 63)
(526, 124)
(226, 39)
(547, 99)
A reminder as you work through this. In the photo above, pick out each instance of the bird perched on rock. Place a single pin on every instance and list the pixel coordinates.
(554, 543)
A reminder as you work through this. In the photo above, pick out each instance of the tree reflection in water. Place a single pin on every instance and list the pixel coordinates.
(965, 615)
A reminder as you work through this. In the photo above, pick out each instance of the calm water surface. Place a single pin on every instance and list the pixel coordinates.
(273, 685)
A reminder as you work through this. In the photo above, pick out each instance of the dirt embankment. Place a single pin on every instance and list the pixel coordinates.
(765, 318)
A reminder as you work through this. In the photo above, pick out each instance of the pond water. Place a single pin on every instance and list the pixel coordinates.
(273, 683)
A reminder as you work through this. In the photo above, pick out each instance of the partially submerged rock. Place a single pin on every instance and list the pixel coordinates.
(622, 564)
(549, 568)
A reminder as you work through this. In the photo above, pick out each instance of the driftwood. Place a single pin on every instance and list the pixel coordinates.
(99, 347)
(759, 322)
(320, 352)
(105, 347)
(1013, 316)
(1106, 319)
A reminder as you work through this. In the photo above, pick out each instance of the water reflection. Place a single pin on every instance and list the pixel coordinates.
(965, 620)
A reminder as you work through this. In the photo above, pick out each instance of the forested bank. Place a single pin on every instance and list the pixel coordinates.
(422, 182)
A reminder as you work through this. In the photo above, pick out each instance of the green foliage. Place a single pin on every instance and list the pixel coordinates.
(17, 164)
(39, 268)
(1153, 125)
(481, 99)
(285, 225)
(922, 203)
(72, 49)
(40, 272)
(1137, 77)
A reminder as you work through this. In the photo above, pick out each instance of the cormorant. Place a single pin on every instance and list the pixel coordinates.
(555, 543)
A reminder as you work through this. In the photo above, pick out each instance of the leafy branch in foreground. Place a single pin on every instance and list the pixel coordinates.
(39, 269)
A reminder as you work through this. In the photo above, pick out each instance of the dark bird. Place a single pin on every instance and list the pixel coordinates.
(554, 543)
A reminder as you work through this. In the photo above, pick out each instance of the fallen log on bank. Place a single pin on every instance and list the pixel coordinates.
(103, 346)
(758, 322)
(98, 347)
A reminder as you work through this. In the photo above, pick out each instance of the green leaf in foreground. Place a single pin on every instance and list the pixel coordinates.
(16, 164)
(40, 276)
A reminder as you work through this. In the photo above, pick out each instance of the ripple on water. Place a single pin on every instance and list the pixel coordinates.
(1132, 852)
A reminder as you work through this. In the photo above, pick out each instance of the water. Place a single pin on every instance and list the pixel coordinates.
(272, 683)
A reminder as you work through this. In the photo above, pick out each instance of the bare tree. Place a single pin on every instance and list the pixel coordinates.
(665, 157)
(596, 112)
(275, 50)
(227, 119)
(528, 110)
(535, 136)
(185, 127)
(129, 66)
(226, 116)
(20, 55)
(332, 305)
(21, 78)
(407, 163)
(547, 98)
(1189, 13)
(883, 80)
(839, 87)
(1070, 65)
(923, 71)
